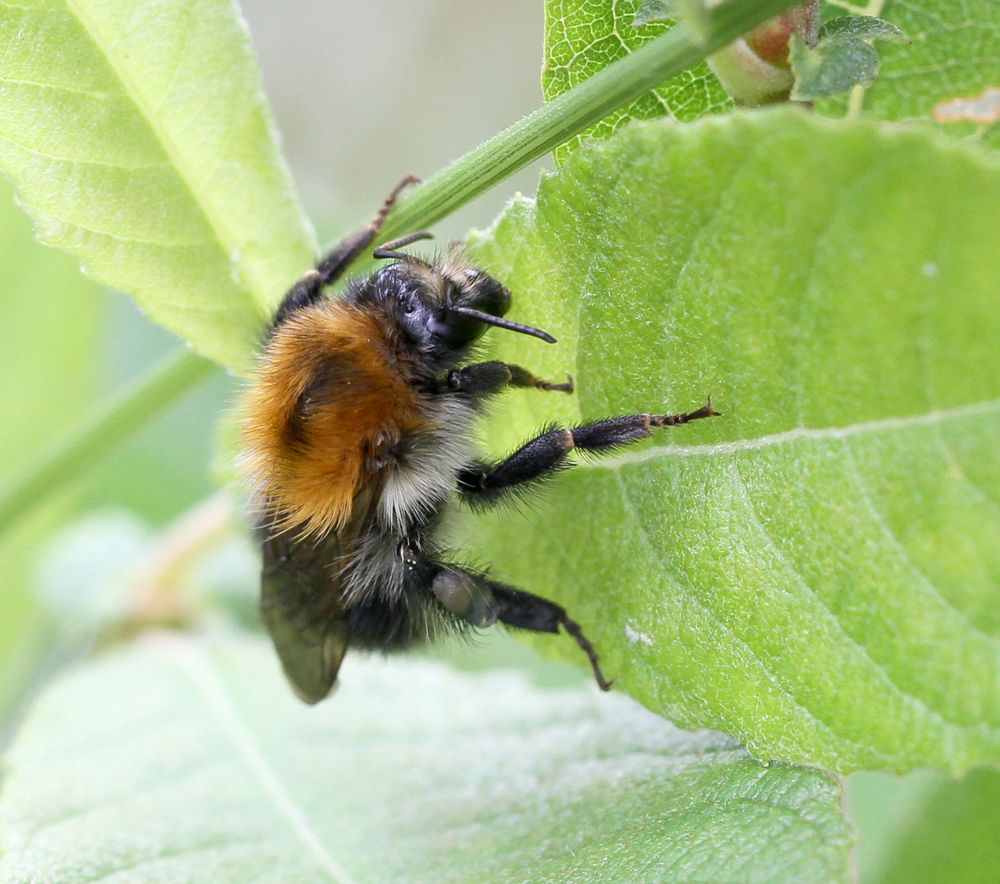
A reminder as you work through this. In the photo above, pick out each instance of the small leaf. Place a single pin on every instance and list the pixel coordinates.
(138, 139)
(864, 27)
(817, 572)
(952, 53)
(833, 67)
(582, 38)
(180, 760)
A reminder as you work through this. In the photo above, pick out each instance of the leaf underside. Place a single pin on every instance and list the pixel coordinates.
(816, 572)
(139, 140)
(185, 760)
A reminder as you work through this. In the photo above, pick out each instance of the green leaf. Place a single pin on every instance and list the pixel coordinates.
(864, 27)
(816, 572)
(138, 139)
(582, 38)
(952, 54)
(832, 67)
(843, 57)
(182, 760)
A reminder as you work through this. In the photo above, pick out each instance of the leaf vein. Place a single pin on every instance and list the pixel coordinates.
(902, 553)
(804, 584)
(226, 715)
(78, 161)
(798, 434)
(55, 87)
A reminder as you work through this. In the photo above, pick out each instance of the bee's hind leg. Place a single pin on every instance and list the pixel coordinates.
(482, 602)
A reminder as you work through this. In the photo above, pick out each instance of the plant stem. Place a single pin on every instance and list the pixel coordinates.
(571, 113)
(104, 428)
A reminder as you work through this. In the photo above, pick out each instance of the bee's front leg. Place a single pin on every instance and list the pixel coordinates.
(521, 377)
(332, 265)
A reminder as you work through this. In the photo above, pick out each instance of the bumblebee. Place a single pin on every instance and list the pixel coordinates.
(358, 435)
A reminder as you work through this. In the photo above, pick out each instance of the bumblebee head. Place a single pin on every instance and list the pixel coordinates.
(473, 301)
(443, 307)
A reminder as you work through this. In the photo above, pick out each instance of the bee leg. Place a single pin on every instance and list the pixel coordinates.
(521, 377)
(465, 594)
(338, 259)
(305, 292)
(309, 288)
(522, 610)
(481, 602)
(489, 378)
(478, 381)
(546, 454)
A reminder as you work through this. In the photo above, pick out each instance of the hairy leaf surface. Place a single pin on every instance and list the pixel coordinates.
(816, 572)
(182, 760)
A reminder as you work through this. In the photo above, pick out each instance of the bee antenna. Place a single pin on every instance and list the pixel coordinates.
(391, 249)
(490, 319)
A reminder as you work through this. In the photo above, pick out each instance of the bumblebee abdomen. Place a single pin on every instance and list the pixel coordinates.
(326, 401)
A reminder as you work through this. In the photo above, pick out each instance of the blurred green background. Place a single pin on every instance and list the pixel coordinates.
(362, 93)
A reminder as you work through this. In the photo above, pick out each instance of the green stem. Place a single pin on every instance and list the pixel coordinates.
(103, 429)
(569, 114)
(466, 178)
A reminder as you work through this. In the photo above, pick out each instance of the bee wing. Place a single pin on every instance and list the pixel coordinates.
(300, 597)
(300, 605)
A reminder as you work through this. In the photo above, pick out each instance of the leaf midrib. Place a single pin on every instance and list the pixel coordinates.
(211, 688)
(224, 239)
(934, 417)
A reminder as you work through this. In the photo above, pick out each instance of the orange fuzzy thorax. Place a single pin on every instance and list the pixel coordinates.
(327, 397)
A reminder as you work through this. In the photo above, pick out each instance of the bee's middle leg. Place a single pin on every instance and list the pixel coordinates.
(486, 484)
